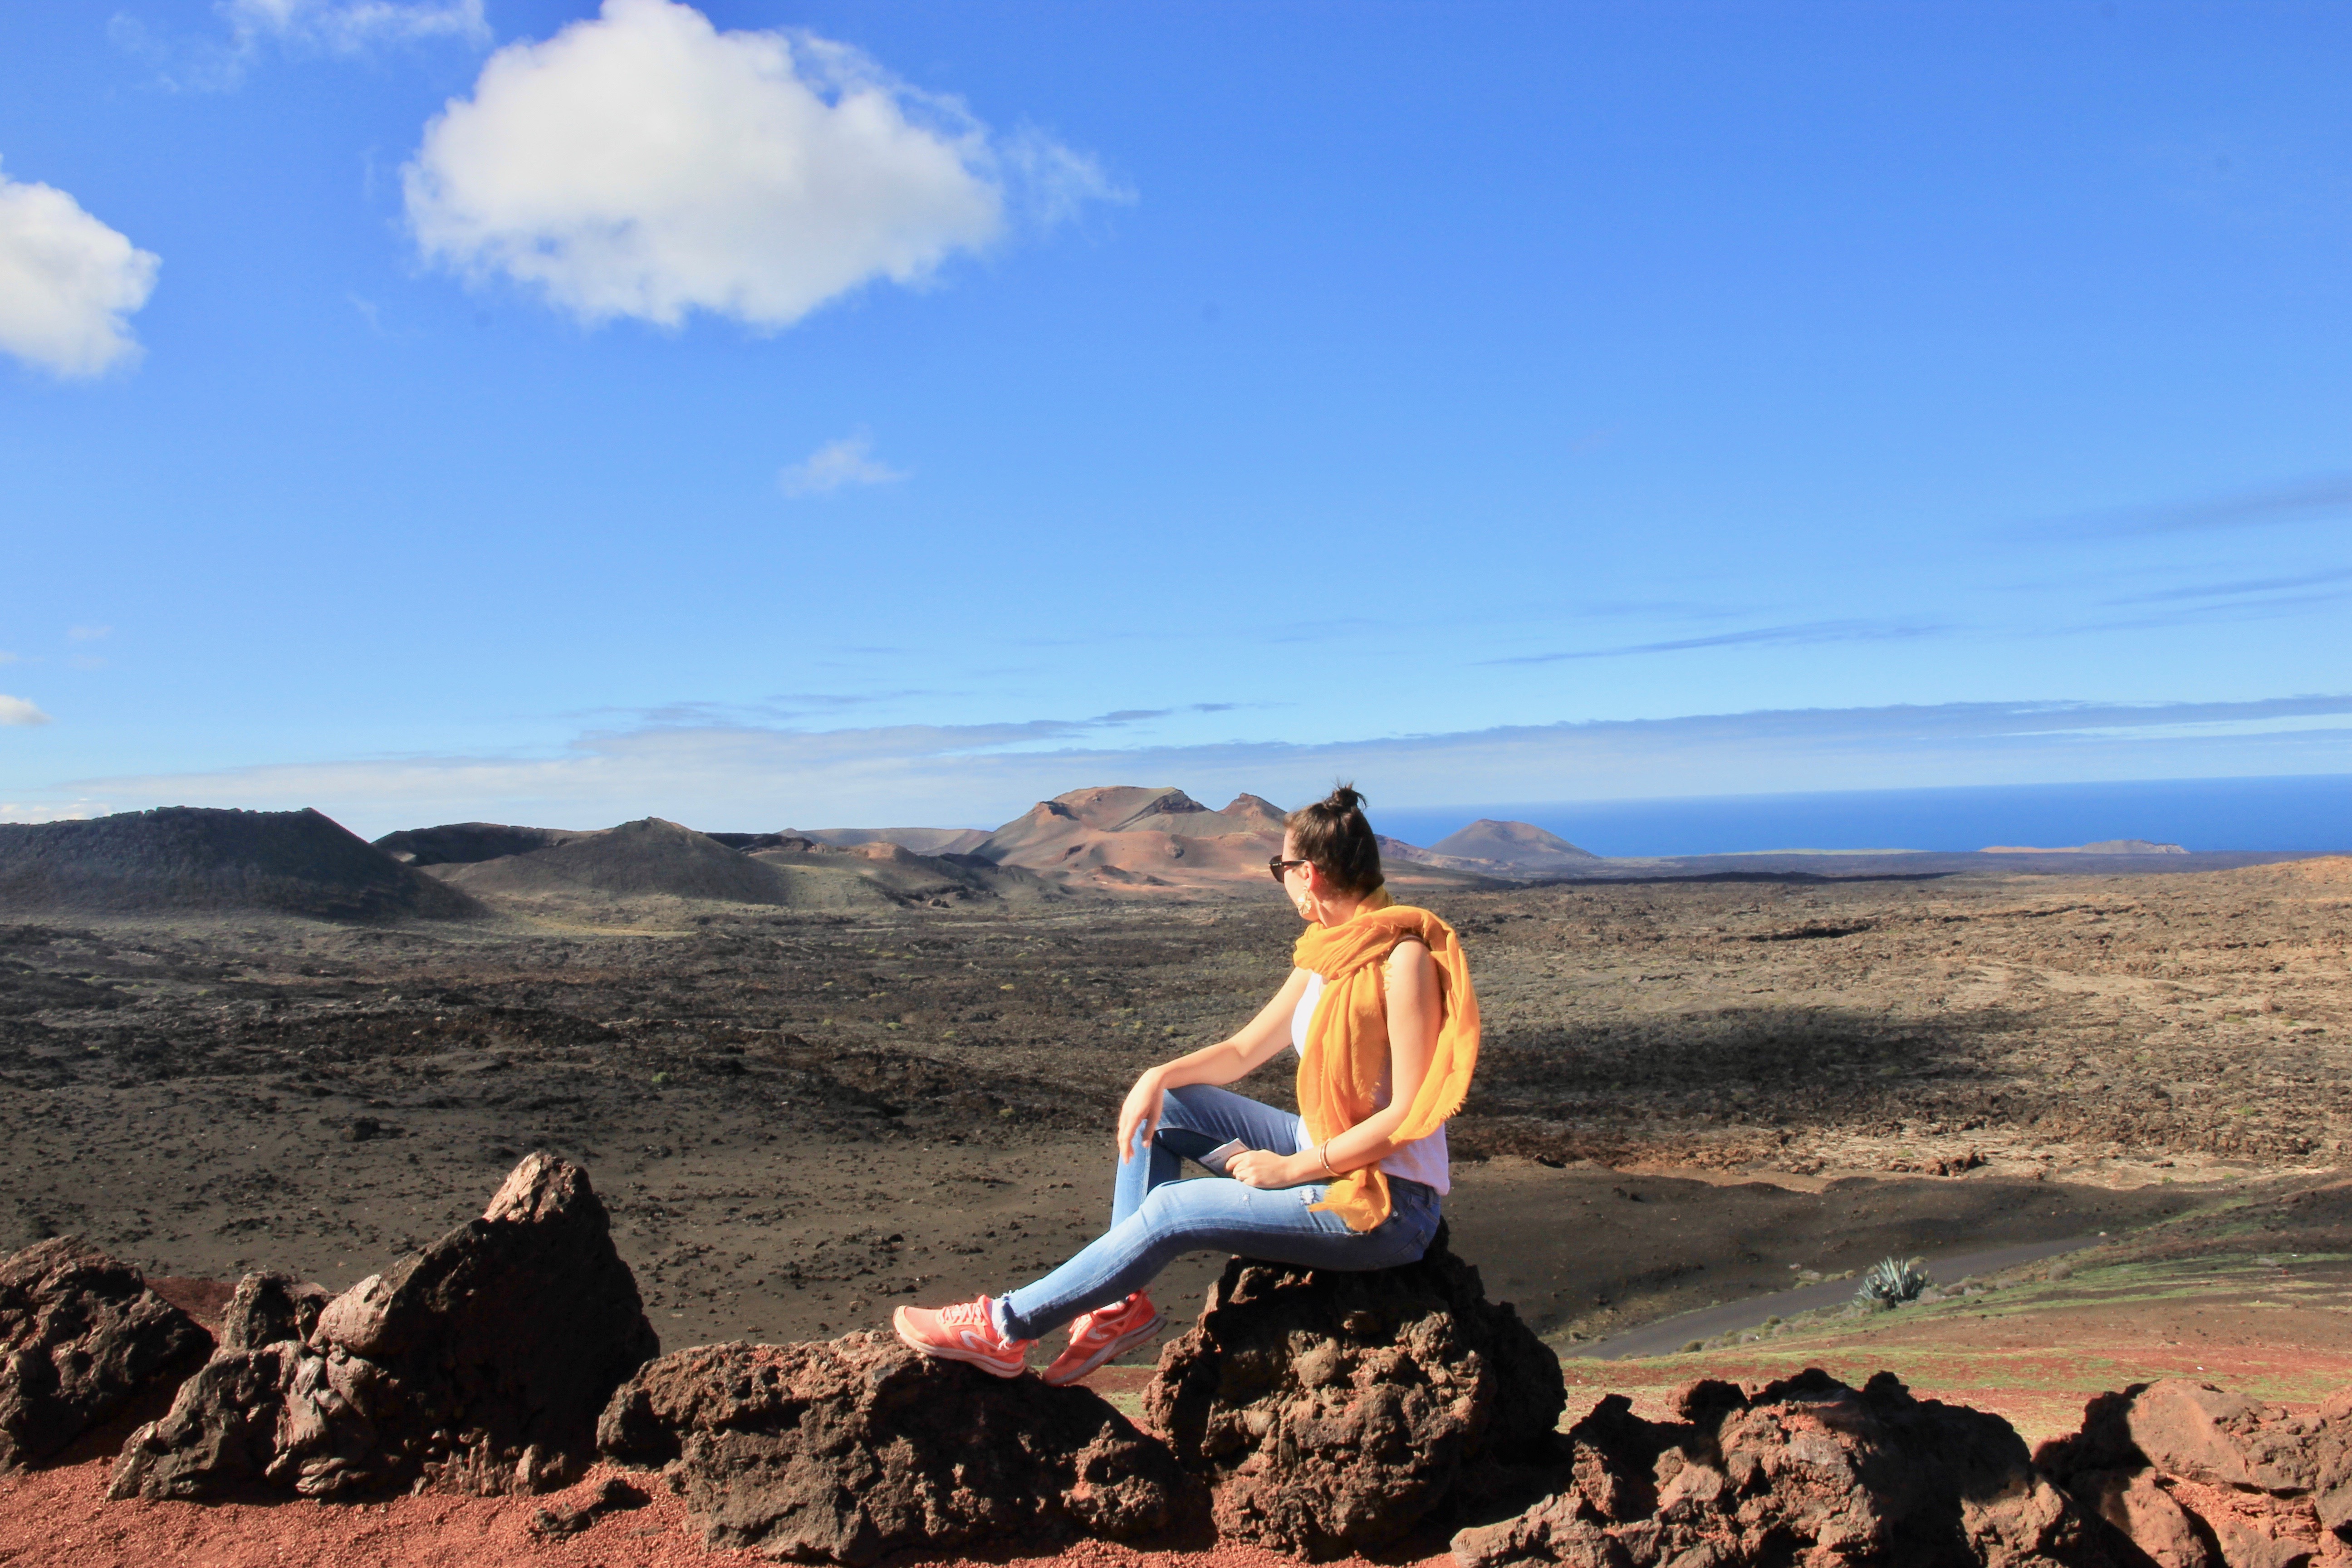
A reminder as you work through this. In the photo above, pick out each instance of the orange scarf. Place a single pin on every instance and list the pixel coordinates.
(1348, 1040)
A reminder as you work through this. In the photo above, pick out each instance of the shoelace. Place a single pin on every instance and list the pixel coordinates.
(964, 1312)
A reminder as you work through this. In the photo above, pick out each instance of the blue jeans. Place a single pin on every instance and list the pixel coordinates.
(1156, 1219)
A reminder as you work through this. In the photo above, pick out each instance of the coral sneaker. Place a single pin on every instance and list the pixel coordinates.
(965, 1332)
(1103, 1334)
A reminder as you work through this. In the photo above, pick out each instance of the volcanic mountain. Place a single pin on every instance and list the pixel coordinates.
(193, 859)
(1125, 835)
(463, 843)
(921, 840)
(637, 859)
(660, 860)
(1521, 845)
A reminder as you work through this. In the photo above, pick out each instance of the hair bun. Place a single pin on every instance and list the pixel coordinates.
(1334, 835)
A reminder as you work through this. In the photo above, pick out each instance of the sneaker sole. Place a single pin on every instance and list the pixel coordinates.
(988, 1363)
(1059, 1377)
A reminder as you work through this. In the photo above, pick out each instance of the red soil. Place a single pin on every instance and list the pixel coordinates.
(58, 1518)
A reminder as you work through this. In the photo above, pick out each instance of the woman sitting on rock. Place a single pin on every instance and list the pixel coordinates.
(1380, 1011)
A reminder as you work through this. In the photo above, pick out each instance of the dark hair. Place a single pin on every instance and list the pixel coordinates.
(1334, 836)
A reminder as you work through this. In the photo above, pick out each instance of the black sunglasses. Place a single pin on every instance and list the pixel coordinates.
(1277, 865)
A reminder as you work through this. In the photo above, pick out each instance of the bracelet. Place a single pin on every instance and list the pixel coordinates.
(1325, 1155)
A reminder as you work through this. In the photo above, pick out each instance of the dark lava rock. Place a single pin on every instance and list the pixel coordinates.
(477, 1365)
(2199, 1478)
(849, 1449)
(195, 858)
(80, 1335)
(463, 843)
(1333, 1412)
(1805, 1470)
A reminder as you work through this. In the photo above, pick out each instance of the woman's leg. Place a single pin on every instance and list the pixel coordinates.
(1276, 1225)
(1194, 1120)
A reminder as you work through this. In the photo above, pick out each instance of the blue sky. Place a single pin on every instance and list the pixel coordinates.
(816, 414)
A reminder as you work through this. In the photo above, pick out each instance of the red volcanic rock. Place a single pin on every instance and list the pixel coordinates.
(1333, 1412)
(2199, 1478)
(846, 1450)
(1808, 1470)
(266, 1308)
(80, 1335)
(477, 1365)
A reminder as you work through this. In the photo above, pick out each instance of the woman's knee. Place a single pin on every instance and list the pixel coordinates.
(1170, 1212)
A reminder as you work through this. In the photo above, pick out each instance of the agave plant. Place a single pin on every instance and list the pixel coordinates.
(1893, 1281)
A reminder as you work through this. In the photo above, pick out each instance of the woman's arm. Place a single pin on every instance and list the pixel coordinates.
(1242, 1053)
(1413, 1010)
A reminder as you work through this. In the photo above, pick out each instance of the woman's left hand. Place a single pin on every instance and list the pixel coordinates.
(1261, 1168)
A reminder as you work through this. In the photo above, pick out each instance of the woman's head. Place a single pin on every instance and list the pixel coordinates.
(1333, 836)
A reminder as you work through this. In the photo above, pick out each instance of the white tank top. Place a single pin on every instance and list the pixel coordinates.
(1424, 1159)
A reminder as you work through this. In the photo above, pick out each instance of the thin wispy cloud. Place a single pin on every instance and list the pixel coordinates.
(1797, 634)
(2308, 501)
(16, 710)
(215, 63)
(750, 776)
(644, 164)
(2241, 588)
(837, 465)
(69, 284)
(88, 633)
(348, 26)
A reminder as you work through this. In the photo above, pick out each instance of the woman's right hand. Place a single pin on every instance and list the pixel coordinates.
(1141, 1108)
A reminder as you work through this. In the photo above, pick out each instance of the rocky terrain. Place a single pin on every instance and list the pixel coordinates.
(801, 1111)
(802, 1114)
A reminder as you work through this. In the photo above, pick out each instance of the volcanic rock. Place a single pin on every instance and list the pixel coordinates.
(1806, 1470)
(2198, 1477)
(1332, 1412)
(849, 1450)
(615, 1496)
(191, 858)
(80, 1335)
(267, 1308)
(477, 1365)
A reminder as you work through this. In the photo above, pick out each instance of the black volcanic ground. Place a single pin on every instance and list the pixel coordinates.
(800, 1118)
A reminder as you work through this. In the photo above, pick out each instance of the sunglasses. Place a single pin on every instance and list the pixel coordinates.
(1277, 866)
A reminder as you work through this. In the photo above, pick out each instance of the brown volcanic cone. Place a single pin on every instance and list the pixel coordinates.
(1123, 835)
(185, 858)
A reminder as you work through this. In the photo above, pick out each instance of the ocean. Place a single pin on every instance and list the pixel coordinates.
(2308, 813)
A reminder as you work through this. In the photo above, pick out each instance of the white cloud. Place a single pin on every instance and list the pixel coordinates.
(848, 461)
(643, 164)
(16, 710)
(348, 26)
(88, 633)
(70, 811)
(67, 283)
